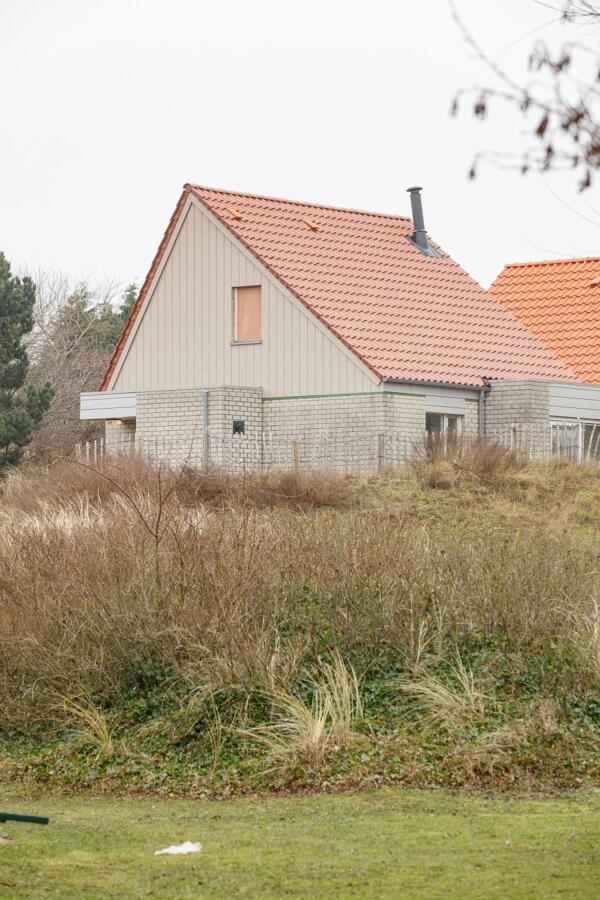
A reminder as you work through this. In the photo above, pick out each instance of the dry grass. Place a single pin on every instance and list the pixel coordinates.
(447, 704)
(308, 731)
(126, 582)
(66, 481)
(586, 636)
(444, 464)
(91, 725)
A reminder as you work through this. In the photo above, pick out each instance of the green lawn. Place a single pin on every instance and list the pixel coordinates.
(385, 844)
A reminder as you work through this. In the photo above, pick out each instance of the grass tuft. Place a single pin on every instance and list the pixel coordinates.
(310, 730)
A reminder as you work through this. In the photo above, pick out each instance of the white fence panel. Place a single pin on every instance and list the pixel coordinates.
(369, 452)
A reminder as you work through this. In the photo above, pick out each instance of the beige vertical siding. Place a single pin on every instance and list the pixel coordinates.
(570, 400)
(183, 336)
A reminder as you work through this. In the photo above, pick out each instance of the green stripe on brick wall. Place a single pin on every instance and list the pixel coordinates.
(360, 394)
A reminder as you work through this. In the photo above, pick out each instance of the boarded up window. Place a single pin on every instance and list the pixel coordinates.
(247, 314)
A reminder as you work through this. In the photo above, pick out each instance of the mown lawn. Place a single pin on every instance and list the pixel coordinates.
(384, 844)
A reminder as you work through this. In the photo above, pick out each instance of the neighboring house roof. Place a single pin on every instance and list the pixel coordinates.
(559, 301)
(404, 314)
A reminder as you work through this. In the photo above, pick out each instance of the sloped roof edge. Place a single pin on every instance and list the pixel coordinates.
(144, 290)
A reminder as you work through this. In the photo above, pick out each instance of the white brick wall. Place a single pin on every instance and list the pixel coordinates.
(519, 402)
(359, 432)
(169, 424)
(232, 451)
(363, 431)
(120, 438)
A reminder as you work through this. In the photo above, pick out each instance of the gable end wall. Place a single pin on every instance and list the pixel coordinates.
(183, 335)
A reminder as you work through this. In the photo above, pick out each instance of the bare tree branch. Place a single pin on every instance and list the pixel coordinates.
(560, 101)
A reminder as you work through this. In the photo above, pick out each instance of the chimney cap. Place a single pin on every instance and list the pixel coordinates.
(411, 189)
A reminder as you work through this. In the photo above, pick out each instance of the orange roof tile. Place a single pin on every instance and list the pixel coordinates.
(404, 314)
(559, 301)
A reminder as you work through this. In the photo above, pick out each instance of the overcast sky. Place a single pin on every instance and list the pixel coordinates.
(109, 106)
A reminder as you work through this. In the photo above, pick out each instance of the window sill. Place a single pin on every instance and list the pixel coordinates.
(244, 343)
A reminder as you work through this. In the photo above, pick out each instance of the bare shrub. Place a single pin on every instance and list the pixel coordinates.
(123, 580)
(65, 479)
(443, 463)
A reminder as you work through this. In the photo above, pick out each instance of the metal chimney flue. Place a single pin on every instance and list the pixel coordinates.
(419, 235)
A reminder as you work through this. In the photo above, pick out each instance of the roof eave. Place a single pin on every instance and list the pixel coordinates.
(423, 382)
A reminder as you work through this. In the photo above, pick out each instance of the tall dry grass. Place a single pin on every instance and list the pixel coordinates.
(308, 730)
(121, 582)
(447, 704)
(445, 463)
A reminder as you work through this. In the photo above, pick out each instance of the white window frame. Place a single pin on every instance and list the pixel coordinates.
(444, 417)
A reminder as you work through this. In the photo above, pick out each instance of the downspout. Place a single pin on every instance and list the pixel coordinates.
(205, 426)
(205, 409)
(485, 389)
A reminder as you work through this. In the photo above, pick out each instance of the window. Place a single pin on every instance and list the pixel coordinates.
(247, 325)
(441, 426)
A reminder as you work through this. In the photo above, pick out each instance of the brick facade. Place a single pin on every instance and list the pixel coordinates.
(356, 432)
(364, 432)
(471, 419)
(360, 432)
(517, 413)
(170, 425)
(120, 437)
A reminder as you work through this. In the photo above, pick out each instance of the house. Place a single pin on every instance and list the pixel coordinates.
(272, 332)
(559, 301)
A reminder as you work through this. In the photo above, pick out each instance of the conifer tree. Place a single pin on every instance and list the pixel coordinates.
(20, 410)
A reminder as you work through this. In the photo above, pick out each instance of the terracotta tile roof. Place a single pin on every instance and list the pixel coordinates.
(559, 301)
(406, 315)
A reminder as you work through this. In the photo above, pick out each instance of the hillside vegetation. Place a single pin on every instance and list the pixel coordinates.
(192, 633)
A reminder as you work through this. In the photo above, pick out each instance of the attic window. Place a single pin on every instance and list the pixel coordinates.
(247, 315)
(310, 224)
(234, 213)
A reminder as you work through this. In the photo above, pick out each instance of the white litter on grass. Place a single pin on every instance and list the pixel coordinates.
(186, 847)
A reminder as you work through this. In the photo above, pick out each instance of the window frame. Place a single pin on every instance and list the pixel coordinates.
(444, 419)
(234, 311)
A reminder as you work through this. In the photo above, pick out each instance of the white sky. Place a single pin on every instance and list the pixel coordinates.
(109, 106)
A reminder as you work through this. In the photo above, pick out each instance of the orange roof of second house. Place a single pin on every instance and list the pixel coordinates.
(559, 301)
(404, 314)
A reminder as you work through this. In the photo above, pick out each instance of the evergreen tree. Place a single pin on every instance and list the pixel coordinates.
(127, 302)
(20, 410)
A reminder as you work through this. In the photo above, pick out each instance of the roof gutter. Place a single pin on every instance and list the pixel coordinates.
(424, 383)
(482, 390)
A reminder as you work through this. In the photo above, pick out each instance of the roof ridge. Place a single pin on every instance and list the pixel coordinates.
(348, 209)
(553, 262)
